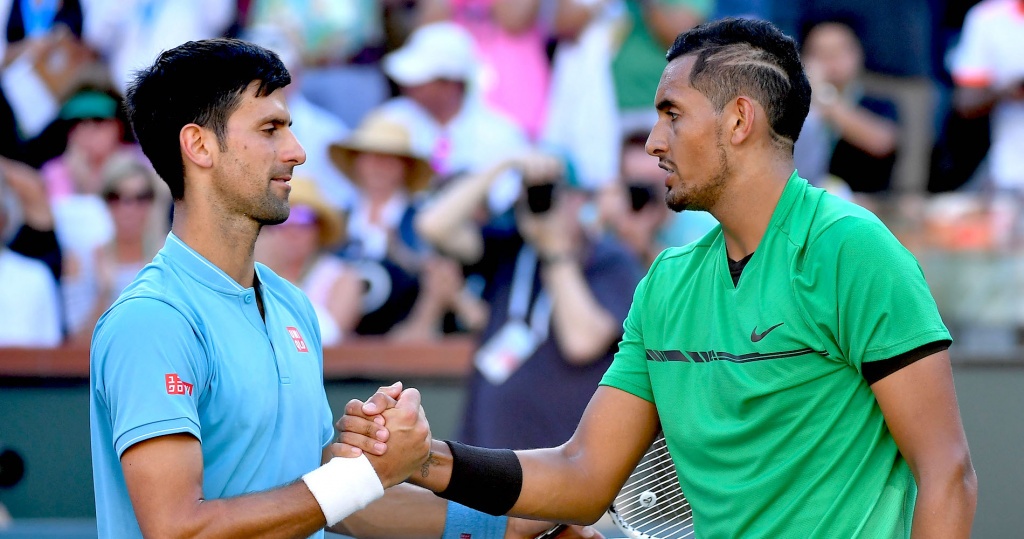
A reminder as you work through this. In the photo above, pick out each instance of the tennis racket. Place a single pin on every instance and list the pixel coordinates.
(651, 505)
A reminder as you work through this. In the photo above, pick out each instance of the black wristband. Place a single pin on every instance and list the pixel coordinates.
(487, 480)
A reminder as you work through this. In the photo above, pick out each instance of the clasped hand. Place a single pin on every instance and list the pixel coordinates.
(390, 428)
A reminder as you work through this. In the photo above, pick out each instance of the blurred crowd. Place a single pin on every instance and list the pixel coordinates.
(478, 166)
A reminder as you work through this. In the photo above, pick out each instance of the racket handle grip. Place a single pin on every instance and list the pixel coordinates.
(553, 532)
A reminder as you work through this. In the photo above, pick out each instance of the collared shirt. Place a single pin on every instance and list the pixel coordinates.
(185, 350)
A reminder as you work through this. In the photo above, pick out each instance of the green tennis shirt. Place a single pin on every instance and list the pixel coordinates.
(759, 385)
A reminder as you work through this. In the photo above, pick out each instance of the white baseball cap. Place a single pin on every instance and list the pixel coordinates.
(442, 50)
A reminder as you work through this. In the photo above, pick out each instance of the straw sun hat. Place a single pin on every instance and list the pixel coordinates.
(305, 193)
(378, 134)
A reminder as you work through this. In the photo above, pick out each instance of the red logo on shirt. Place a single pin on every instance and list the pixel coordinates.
(465, 536)
(175, 385)
(300, 344)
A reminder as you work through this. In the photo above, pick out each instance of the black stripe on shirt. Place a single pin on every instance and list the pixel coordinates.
(874, 371)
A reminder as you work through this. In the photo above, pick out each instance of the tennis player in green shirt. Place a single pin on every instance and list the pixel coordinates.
(794, 356)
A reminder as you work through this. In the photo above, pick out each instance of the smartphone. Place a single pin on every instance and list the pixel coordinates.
(539, 197)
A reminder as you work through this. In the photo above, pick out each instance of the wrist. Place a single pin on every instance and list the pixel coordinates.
(435, 473)
(343, 486)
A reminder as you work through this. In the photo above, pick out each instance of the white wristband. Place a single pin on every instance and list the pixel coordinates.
(344, 486)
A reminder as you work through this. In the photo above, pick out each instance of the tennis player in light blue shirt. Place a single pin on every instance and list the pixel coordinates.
(185, 350)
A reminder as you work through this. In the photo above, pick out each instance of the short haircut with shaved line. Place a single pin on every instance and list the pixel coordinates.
(737, 57)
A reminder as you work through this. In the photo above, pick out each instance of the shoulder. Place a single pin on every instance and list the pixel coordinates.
(847, 231)
(22, 268)
(687, 253)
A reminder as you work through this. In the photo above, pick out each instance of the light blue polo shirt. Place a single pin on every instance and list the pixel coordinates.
(184, 350)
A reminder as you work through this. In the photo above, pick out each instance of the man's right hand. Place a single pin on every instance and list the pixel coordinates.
(404, 429)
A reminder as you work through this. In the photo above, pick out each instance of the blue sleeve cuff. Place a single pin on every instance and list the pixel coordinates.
(462, 522)
(152, 430)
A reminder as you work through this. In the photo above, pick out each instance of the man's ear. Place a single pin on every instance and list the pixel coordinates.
(741, 115)
(198, 145)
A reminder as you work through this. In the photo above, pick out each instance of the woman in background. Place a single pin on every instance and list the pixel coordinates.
(297, 250)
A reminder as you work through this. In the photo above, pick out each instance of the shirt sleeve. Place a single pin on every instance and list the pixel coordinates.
(150, 370)
(881, 302)
(972, 60)
(628, 370)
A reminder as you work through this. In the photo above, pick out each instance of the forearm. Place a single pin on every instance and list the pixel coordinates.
(584, 330)
(28, 186)
(452, 210)
(945, 507)
(869, 132)
(286, 512)
(972, 102)
(404, 511)
(546, 472)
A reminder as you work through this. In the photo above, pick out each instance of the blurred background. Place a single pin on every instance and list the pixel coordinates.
(917, 114)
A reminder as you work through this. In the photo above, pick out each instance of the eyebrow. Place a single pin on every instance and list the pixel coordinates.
(276, 120)
(664, 104)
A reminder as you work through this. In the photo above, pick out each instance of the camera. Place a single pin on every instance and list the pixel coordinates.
(539, 197)
(640, 195)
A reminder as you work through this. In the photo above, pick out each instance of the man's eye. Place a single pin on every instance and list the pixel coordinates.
(672, 115)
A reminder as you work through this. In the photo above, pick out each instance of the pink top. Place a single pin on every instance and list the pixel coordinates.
(516, 71)
(57, 179)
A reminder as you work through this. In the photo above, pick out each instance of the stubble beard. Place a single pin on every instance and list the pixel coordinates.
(702, 197)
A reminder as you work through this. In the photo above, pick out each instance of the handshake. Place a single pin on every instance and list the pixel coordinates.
(391, 429)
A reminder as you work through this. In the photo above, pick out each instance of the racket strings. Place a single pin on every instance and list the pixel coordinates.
(651, 503)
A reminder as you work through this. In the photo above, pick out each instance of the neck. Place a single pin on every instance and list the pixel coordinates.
(227, 243)
(747, 205)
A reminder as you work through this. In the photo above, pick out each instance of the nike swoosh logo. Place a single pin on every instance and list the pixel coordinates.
(755, 336)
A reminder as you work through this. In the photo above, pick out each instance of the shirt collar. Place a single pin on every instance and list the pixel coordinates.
(198, 266)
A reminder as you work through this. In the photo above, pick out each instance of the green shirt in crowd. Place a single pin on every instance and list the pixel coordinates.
(637, 66)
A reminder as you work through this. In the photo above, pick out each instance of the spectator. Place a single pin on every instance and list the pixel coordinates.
(447, 120)
(96, 129)
(511, 44)
(652, 25)
(583, 115)
(849, 135)
(341, 42)
(298, 250)
(139, 206)
(633, 207)
(387, 172)
(35, 238)
(83, 223)
(988, 70)
(557, 295)
(34, 82)
(131, 33)
(29, 303)
(898, 47)
(32, 21)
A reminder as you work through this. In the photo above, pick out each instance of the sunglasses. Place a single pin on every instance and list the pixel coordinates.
(138, 198)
